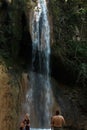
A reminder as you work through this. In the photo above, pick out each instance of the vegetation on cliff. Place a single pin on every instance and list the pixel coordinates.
(14, 32)
(70, 36)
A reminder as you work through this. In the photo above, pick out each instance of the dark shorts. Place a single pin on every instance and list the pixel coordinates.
(27, 128)
(21, 128)
(57, 128)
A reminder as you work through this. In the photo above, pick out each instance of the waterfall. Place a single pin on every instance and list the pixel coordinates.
(38, 98)
(41, 37)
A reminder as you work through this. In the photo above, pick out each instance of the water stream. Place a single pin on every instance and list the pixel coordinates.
(38, 97)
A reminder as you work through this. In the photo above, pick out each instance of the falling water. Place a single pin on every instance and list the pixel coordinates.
(41, 37)
(38, 97)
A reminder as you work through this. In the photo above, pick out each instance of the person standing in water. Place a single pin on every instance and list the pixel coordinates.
(57, 121)
(25, 124)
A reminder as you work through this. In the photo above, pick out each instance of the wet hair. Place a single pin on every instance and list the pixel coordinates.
(27, 115)
(57, 112)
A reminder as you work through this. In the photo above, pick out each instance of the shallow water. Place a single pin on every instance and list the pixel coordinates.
(39, 129)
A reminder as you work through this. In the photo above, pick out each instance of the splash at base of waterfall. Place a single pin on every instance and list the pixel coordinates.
(38, 102)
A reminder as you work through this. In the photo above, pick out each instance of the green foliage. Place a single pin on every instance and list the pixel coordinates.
(66, 16)
(10, 30)
(74, 56)
(77, 58)
(70, 21)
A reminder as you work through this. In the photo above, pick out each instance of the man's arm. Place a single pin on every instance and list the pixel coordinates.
(63, 121)
(52, 122)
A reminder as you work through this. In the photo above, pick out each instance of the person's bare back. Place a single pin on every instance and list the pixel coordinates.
(57, 121)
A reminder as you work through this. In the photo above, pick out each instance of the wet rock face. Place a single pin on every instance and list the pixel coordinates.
(8, 100)
(72, 101)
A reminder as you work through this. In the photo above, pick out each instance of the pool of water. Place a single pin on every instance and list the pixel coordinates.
(39, 129)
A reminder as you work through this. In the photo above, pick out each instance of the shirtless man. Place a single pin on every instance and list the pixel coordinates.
(57, 121)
